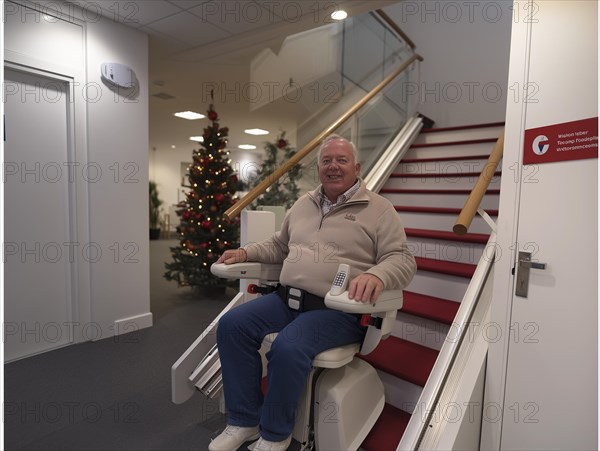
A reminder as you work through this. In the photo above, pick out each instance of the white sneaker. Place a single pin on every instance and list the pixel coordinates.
(232, 438)
(265, 445)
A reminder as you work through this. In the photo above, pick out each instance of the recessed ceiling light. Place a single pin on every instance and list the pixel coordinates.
(189, 115)
(246, 147)
(256, 131)
(173, 146)
(199, 139)
(339, 15)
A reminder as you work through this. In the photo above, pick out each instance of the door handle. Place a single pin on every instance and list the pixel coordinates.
(534, 265)
(524, 265)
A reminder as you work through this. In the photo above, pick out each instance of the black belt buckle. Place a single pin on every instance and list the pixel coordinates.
(295, 298)
(300, 300)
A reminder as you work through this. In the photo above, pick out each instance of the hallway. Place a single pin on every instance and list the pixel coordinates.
(115, 393)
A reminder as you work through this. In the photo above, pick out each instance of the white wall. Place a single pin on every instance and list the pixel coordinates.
(118, 142)
(114, 193)
(465, 46)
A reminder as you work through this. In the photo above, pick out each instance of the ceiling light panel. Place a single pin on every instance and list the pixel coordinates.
(256, 131)
(339, 15)
(189, 115)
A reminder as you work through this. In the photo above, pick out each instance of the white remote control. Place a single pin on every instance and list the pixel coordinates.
(340, 281)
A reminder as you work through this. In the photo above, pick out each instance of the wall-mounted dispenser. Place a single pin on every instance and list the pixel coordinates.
(118, 75)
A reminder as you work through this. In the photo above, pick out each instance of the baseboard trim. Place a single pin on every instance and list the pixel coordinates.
(133, 323)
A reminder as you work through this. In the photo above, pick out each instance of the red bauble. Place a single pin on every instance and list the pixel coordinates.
(206, 225)
(203, 245)
(198, 216)
(186, 215)
(219, 197)
(282, 143)
(212, 115)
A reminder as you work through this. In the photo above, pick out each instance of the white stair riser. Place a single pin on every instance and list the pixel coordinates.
(422, 331)
(452, 251)
(439, 285)
(442, 181)
(446, 151)
(490, 201)
(459, 135)
(433, 221)
(400, 393)
(442, 167)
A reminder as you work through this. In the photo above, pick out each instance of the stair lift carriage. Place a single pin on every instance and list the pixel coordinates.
(343, 395)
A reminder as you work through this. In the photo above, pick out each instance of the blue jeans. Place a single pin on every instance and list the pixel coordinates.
(301, 337)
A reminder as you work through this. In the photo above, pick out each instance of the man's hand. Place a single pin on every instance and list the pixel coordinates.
(365, 288)
(232, 256)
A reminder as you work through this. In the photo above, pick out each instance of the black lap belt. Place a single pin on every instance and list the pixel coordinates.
(300, 300)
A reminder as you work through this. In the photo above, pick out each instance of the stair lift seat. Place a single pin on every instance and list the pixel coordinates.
(343, 395)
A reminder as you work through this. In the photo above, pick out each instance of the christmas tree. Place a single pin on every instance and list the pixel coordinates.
(285, 190)
(204, 232)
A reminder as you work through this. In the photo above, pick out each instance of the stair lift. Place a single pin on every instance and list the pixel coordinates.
(343, 395)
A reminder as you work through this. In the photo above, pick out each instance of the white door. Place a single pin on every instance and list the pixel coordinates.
(551, 380)
(38, 250)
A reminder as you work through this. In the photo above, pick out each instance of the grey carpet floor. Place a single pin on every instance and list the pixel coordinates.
(114, 394)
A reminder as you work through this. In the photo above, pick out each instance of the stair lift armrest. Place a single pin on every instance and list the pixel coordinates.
(388, 300)
(385, 309)
(247, 270)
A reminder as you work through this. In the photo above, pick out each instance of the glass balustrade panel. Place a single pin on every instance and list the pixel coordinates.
(368, 52)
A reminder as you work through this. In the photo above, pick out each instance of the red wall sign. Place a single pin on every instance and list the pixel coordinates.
(575, 140)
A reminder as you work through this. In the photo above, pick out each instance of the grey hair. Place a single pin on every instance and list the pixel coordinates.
(333, 137)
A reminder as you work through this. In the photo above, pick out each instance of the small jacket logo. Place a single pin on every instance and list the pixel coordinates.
(350, 217)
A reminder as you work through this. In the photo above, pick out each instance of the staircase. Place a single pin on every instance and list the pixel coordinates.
(428, 189)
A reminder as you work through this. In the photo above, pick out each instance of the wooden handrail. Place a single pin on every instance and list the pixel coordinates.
(472, 204)
(396, 28)
(236, 208)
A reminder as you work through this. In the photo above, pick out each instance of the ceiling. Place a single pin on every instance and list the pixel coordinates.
(196, 46)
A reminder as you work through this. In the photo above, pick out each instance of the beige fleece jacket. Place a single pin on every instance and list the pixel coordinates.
(365, 233)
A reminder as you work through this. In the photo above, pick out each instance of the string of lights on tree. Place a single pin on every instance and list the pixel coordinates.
(204, 232)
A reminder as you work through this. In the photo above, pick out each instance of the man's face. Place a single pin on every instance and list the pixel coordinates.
(338, 169)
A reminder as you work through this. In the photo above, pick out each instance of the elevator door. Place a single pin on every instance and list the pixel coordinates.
(39, 249)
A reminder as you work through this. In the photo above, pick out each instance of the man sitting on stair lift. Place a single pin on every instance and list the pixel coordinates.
(339, 222)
